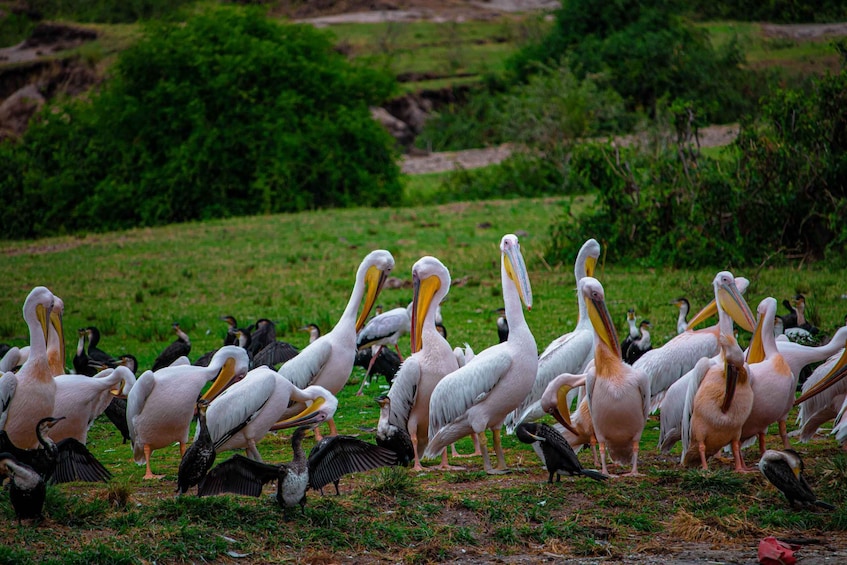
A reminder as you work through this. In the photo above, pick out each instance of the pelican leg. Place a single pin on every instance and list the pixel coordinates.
(483, 446)
(252, 451)
(333, 431)
(498, 449)
(476, 450)
(783, 433)
(634, 472)
(398, 352)
(701, 447)
(593, 443)
(739, 461)
(182, 449)
(604, 470)
(149, 474)
(417, 466)
(445, 466)
(368, 371)
(761, 443)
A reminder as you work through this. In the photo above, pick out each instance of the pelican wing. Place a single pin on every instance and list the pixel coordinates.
(76, 463)
(237, 405)
(302, 369)
(385, 325)
(334, 457)
(238, 475)
(137, 398)
(694, 380)
(403, 391)
(464, 387)
(8, 385)
(10, 360)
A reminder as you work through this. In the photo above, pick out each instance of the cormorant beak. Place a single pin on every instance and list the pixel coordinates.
(424, 292)
(312, 415)
(835, 374)
(516, 270)
(225, 375)
(374, 279)
(563, 418)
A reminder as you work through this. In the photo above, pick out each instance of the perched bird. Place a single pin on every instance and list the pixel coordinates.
(479, 396)
(432, 358)
(34, 391)
(502, 325)
(96, 356)
(383, 329)
(632, 334)
(27, 490)
(181, 347)
(393, 435)
(245, 412)
(618, 394)
(559, 456)
(387, 363)
(161, 404)
(314, 332)
(265, 349)
(328, 361)
(640, 345)
(199, 457)
(339, 456)
(577, 428)
(784, 469)
(232, 325)
(682, 318)
(81, 361)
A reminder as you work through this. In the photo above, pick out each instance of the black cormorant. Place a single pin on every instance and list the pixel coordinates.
(559, 456)
(26, 487)
(179, 348)
(199, 457)
(784, 469)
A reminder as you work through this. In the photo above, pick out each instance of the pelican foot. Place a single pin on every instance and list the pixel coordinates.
(451, 468)
(150, 476)
(631, 474)
(498, 471)
(476, 453)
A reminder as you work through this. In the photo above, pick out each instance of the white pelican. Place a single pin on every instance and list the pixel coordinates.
(833, 379)
(161, 404)
(820, 408)
(431, 360)
(771, 379)
(383, 329)
(245, 412)
(666, 364)
(569, 353)
(618, 395)
(718, 404)
(478, 396)
(577, 428)
(328, 360)
(10, 360)
(80, 399)
(35, 391)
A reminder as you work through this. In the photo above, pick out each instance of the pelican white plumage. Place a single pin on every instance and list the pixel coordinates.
(245, 412)
(161, 404)
(569, 353)
(328, 360)
(431, 360)
(381, 330)
(666, 364)
(80, 399)
(836, 371)
(719, 397)
(618, 395)
(824, 406)
(478, 396)
(10, 360)
(771, 379)
(35, 390)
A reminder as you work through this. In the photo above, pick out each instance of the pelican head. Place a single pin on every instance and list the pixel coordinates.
(553, 397)
(39, 306)
(838, 372)
(766, 315)
(430, 279)
(516, 268)
(586, 259)
(598, 313)
(322, 408)
(231, 361)
(730, 289)
(374, 269)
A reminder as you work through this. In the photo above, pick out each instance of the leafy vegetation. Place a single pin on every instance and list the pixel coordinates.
(778, 11)
(229, 114)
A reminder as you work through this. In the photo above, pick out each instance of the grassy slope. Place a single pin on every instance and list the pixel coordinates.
(299, 268)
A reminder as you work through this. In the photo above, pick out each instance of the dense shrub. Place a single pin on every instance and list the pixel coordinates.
(229, 114)
(105, 11)
(645, 51)
(777, 11)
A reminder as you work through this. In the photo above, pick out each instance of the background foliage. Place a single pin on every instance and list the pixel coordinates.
(229, 114)
(778, 11)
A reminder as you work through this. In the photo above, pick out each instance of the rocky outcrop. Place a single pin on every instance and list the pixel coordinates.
(17, 109)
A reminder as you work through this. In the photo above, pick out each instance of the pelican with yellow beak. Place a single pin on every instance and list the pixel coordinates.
(668, 363)
(328, 361)
(80, 399)
(56, 340)
(720, 401)
(245, 412)
(618, 395)
(479, 396)
(569, 353)
(431, 360)
(832, 381)
(31, 398)
(161, 404)
(577, 427)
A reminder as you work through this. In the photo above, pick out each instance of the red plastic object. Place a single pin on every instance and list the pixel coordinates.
(775, 552)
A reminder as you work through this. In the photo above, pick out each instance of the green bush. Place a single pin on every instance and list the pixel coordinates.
(106, 11)
(777, 11)
(229, 114)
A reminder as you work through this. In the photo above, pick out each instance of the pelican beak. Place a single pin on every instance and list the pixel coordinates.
(602, 322)
(756, 351)
(516, 269)
(734, 304)
(563, 418)
(424, 292)
(374, 279)
(590, 266)
(731, 371)
(56, 322)
(43, 314)
(707, 312)
(311, 415)
(225, 375)
(836, 374)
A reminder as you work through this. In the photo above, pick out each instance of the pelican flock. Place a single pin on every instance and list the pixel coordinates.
(713, 389)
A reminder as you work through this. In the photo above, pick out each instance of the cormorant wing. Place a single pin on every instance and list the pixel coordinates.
(76, 463)
(336, 456)
(273, 354)
(238, 475)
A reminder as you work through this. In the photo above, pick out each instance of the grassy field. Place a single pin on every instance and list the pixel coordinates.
(297, 269)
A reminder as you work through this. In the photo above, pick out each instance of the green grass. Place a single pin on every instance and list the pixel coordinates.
(299, 268)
